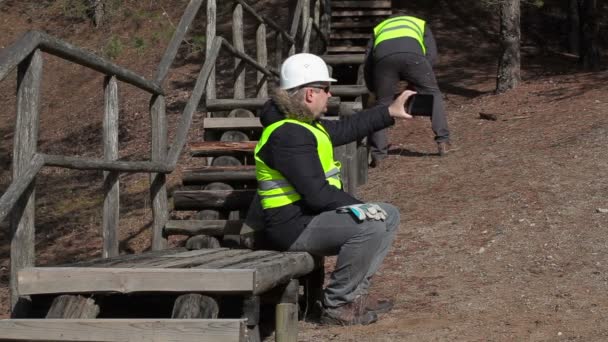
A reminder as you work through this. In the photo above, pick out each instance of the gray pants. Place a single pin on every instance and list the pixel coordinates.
(361, 248)
(418, 71)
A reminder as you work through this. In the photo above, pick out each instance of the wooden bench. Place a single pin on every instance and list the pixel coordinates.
(257, 276)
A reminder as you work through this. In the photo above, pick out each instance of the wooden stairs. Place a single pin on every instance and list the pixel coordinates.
(352, 23)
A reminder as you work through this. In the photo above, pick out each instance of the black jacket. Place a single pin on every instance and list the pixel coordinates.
(292, 150)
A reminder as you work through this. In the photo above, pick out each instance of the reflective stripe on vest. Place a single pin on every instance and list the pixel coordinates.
(274, 190)
(400, 27)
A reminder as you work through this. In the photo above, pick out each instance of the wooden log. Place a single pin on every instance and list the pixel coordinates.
(223, 161)
(233, 135)
(265, 20)
(127, 330)
(307, 34)
(245, 256)
(68, 306)
(251, 310)
(128, 258)
(279, 51)
(291, 265)
(313, 287)
(304, 19)
(253, 334)
(348, 90)
(210, 46)
(194, 305)
(97, 164)
(232, 215)
(354, 24)
(213, 227)
(111, 184)
(23, 229)
(267, 70)
(48, 280)
(219, 148)
(189, 259)
(239, 45)
(243, 173)
(286, 321)
(158, 181)
(345, 49)
(202, 242)
(262, 58)
(241, 113)
(212, 199)
(178, 37)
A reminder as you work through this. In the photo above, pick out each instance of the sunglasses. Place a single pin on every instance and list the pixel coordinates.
(325, 88)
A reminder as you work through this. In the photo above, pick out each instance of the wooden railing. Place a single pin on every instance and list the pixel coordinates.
(26, 55)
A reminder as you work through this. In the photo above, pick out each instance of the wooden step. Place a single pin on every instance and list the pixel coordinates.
(224, 124)
(213, 199)
(354, 24)
(361, 4)
(346, 49)
(358, 58)
(204, 227)
(362, 13)
(127, 330)
(221, 148)
(350, 35)
(227, 174)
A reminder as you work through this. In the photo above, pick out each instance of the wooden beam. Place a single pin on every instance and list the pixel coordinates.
(99, 164)
(158, 181)
(350, 49)
(231, 123)
(213, 199)
(227, 174)
(361, 13)
(218, 148)
(344, 59)
(128, 330)
(362, 4)
(46, 280)
(111, 183)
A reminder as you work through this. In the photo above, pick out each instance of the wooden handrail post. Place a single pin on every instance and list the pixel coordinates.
(111, 202)
(158, 181)
(239, 45)
(24, 149)
(262, 56)
(306, 39)
(210, 93)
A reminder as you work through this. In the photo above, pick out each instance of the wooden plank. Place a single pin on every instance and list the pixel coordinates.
(213, 199)
(202, 260)
(127, 330)
(201, 227)
(111, 184)
(158, 181)
(348, 49)
(68, 306)
(23, 229)
(344, 59)
(46, 280)
(354, 24)
(109, 262)
(361, 13)
(350, 35)
(364, 4)
(231, 123)
(237, 259)
(239, 44)
(188, 258)
(218, 148)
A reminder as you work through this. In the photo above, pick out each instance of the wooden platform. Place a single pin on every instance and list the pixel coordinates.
(219, 270)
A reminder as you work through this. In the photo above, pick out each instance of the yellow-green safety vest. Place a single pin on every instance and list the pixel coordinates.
(398, 27)
(273, 188)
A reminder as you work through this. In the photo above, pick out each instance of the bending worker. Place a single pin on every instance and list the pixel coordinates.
(304, 205)
(403, 49)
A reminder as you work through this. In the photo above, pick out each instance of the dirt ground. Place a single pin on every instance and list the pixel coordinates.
(500, 240)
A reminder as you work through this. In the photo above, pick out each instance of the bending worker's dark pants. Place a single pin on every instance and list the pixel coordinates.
(418, 71)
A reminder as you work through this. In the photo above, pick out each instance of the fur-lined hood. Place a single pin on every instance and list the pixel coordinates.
(288, 107)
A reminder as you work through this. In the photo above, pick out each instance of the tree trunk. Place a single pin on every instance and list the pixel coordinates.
(573, 27)
(509, 65)
(589, 32)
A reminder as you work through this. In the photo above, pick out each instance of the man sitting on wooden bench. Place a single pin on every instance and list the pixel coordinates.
(305, 208)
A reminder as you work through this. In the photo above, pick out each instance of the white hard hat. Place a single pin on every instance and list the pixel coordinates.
(303, 68)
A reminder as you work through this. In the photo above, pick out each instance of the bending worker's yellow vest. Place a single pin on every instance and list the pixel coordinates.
(274, 190)
(399, 27)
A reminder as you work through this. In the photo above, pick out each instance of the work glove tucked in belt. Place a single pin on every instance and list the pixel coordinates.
(364, 211)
